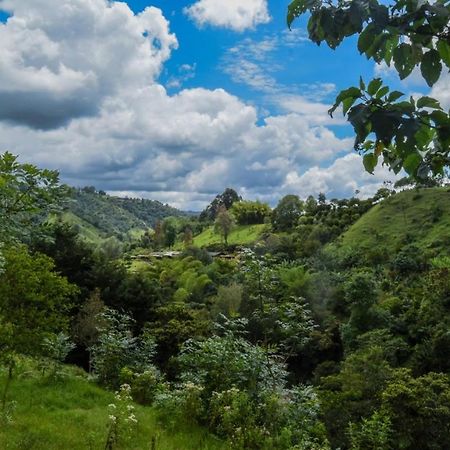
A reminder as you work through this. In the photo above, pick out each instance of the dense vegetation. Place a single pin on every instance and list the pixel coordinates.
(328, 330)
(98, 216)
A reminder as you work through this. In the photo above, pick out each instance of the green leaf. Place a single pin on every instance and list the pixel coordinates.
(431, 67)
(295, 9)
(411, 163)
(366, 39)
(370, 162)
(350, 93)
(362, 85)
(390, 45)
(374, 85)
(403, 60)
(428, 102)
(395, 95)
(347, 104)
(383, 91)
(444, 51)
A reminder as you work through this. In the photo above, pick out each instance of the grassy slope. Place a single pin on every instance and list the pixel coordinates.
(407, 213)
(244, 234)
(73, 414)
(86, 230)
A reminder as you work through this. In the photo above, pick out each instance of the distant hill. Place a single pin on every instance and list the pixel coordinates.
(98, 215)
(420, 217)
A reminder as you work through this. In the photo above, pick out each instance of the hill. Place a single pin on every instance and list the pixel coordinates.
(419, 216)
(98, 215)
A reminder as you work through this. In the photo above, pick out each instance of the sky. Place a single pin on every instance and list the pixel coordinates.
(175, 100)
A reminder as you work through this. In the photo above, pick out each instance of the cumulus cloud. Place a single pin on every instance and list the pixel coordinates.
(236, 15)
(341, 179)
(60, 61)
(81, 95)
(441, 90)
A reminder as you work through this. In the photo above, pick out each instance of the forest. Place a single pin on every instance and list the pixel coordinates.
(329, 330)
(313, 322)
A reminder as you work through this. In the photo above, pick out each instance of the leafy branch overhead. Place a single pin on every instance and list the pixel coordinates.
(412, 134)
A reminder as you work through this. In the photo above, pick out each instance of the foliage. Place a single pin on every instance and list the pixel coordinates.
(117, 348)
(415, 134)
(374, 433)
(401, 219)
(250, 213)
(287, 213)
(226, 199)
(56, 349)
(122, 420)
(34, 301)
(419, 409)
(25, 191)
(239, 235)
(114, 216)
(224, 223)
(220, 363)
(228, 300)
(74, 415)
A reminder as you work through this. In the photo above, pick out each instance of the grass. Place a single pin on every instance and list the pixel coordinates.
(86, 230)
(73, 414)
(421, 217)
(241, 235)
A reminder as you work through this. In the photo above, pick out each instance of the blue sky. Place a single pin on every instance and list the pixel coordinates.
(176, 100)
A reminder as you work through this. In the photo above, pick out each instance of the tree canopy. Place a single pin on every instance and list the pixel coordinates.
(25, 190)
(411, 134)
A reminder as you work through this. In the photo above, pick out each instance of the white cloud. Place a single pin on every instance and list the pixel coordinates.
(236, 15)
(85, 99)
(441, 90)
(341, 179)
(60, 61)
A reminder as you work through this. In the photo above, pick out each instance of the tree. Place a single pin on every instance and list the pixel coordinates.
(170, 232)
(411, 134)
(34, 299)
(250, 213)
(25, 191)
(285, 216)
(158, 235)
(188, 238)
(224, 223)
(34, 302)
(226, 199)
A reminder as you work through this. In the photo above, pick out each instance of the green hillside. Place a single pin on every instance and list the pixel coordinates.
(421, 217)
(241, 235)
(73, 414)
(98, 216)
(86, 230)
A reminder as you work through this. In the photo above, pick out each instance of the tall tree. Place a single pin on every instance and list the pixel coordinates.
(226, 199)
(413, 134)
(224, 223)
(285, 216)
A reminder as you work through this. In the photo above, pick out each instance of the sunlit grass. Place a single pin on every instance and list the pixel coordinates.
(72, 414)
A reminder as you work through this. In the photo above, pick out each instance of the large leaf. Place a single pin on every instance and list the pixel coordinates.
(431, 67)
(444, 52)
(374, 85)
(411, 163)
(428, 102)
(370, 162)
(403, 60)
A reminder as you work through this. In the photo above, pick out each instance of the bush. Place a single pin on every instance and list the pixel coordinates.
(117, 348)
